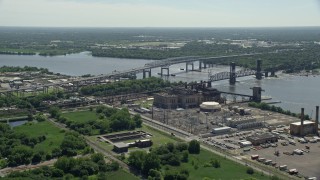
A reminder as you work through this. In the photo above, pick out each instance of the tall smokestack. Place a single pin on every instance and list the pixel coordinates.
(302, 119)
(317, 119)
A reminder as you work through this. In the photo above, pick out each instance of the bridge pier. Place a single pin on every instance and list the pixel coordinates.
(259, 73)
(232, 80)
(273, 73)
(146, 71)
(256, 96)
(187, 65)
(165, 68)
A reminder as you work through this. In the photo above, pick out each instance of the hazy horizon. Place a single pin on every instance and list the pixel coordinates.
(160, 13)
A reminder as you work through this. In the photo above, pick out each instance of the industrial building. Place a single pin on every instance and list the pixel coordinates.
(303, 127)
(221, 130)
(120, 147)
(234, 122)
(185, 97)
(258, 139)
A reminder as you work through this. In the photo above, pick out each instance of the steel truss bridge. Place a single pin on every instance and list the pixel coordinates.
(226, 75)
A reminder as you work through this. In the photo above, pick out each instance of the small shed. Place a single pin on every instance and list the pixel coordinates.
(120, 147)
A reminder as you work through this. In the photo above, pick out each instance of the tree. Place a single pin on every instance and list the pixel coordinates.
(250, 170)
(194, 147)
(97, 157)
(136, 159)
(185, 156)
(36, 158)
(65, 164)
(154, 175)
(151, 161)
(138, 120)
(20, 155)
(54, 112)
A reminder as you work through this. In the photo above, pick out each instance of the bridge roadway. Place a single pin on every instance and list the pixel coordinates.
(118, 74)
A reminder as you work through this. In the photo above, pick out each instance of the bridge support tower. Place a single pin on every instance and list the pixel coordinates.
(147, 72)
(202, 65)
(232, 79)
(187, 65)
(256, 96)
(165, 68)
(259, 73)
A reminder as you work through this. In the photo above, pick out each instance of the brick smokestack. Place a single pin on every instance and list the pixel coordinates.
(302, 119)
(317, 119)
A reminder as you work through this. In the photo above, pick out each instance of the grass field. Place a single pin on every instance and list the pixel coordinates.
(116, 175)
(54, 136)
(228, 170)
(81, 116)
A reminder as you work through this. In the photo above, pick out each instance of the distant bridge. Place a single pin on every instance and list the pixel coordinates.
(226, 75)
(73, 85)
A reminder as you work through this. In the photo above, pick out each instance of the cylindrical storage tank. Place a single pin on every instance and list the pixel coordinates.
(210, 106)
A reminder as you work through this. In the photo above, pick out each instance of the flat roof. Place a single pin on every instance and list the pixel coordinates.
(304, 122)
(221, 128)
(261, 136)
(121, 145)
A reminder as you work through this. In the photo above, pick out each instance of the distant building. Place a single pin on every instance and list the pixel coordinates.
(221, 130)
(143, 143)
(308, 127)
(185, 97)
(120, 147)
(258, 139)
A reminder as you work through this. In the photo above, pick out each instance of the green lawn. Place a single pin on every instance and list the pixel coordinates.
(81, 116)
(228, 170)
(115, 175)
(54, 136)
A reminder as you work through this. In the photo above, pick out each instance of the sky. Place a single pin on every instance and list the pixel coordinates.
(159, 13)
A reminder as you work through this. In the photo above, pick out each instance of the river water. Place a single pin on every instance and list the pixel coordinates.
(294, 92)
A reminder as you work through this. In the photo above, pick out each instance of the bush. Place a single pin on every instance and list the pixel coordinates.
(250, 171)
(194, 147)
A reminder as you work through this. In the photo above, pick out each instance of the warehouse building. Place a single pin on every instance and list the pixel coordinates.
(120, 147)
(258, 139)
(303, 128)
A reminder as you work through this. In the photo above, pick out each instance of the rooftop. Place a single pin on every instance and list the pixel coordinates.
(304, 122)
(261, 136)
(121, 145)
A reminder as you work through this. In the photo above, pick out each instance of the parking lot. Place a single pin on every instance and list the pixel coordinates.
(307, 163)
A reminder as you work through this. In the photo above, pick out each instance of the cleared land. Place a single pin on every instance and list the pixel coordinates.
(81, 116)
(54, 135)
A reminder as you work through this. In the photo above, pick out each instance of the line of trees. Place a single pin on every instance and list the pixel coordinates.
(23, 69)
(128, 86)
(69, 168)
